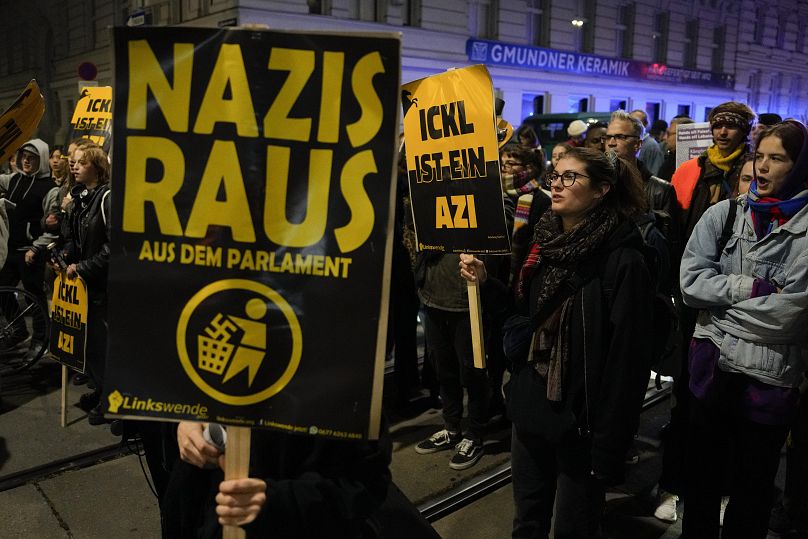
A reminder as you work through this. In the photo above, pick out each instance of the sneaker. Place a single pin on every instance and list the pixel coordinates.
(440, 441)
(467, 455)
(90, 400)
(632, 455)
(666, 506)
(724, 502)
(96, 416)
(80, 379)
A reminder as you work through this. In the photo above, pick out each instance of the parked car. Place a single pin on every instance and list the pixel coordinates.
(552, 128)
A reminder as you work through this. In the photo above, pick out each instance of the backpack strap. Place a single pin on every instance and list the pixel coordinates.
(729, 225)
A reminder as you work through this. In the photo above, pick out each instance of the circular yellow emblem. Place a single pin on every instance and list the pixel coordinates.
(223, 341)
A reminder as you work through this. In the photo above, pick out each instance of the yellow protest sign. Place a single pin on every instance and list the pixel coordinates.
(68, 328)
(92, 117)
(20, 120)
(453, 162)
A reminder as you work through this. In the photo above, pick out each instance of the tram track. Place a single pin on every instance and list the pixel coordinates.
(57, 467)
(493, 480)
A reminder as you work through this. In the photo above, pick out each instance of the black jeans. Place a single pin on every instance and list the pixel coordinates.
(448, 338)
(717, 434)
(96, 342)
(545, 474)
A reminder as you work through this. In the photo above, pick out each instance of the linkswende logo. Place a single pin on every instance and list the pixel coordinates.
(223, 341)
(118, 404)
(115, 400)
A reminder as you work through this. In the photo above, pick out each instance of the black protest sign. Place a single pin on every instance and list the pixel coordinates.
(68, 327)
(453, 163)
(252, 227)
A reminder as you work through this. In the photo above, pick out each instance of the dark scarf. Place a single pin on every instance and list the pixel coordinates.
(770, 212)
(558, 253)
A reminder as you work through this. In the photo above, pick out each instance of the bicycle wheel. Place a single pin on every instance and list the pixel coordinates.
(23, 329)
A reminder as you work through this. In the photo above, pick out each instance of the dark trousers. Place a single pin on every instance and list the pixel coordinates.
(402, 335)
(717, 434)
(675, 440)
(448, 337)
(96, 342)
(795, 495)
(545, 474)
(15, 270)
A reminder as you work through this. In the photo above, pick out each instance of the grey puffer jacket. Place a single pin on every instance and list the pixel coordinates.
(763, 337)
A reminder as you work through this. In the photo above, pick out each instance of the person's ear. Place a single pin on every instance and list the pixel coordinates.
(602, 189)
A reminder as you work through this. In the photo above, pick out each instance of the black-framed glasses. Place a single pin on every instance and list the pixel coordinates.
(567, 178)
(618, 136)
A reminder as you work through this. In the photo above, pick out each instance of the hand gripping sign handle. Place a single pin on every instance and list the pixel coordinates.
(475, 314)
(236, 466)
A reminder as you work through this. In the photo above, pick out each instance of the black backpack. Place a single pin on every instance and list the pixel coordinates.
(667, 337)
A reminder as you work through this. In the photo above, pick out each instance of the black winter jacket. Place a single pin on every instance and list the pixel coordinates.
(86, 232)
(316, 487)
(610, 355)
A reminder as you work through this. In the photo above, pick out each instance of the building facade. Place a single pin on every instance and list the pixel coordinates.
(545, 56)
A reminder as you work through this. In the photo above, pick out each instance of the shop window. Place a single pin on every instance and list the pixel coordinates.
(683, 110)
(578, 103)
(615, 104)
(652, 110)
(532, 104)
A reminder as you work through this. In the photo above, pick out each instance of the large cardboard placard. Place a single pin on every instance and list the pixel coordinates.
(92, 117)
(253, 174)
(453, 163)
(20, 120)
(68, 327)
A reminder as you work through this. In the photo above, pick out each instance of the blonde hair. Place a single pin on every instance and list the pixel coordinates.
(96, 157)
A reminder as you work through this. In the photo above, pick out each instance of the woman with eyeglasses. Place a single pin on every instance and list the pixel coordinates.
(749, 350)
(579, 343)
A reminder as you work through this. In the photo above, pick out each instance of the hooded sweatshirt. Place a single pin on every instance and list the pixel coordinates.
(27, 192)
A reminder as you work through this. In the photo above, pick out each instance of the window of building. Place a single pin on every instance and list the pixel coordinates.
(538, 22)
(660, 36)
(625, 30)
(652, 110)
(588, 9)
(319, 7)
(719, 39)
(411, 12)
(483, 18)
(760, 25)
(754, 90)
(683, 110)
(707, 111)
(691, 55)
(794, 95)
(368, 10)
(799, 46)
(578, 103)
(774, 92)
(615, 104)
(782, 25)
(532, 104)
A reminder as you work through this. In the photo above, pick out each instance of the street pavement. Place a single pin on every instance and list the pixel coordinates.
(112, 499)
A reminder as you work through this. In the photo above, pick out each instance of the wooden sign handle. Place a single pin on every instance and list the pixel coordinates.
(64, 396)
(236, 466)
(476, 316)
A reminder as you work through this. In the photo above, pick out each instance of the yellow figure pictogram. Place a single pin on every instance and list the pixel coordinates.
(216, 348)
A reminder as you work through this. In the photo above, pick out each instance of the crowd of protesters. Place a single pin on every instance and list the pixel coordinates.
(605, 230)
